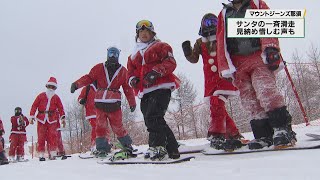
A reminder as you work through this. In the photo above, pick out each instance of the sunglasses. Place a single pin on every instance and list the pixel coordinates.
(210, 22)
(144, 23)
(113, 52)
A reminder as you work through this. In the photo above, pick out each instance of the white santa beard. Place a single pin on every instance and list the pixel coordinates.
(50, 93)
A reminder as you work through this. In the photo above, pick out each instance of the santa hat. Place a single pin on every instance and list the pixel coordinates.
(52, 81)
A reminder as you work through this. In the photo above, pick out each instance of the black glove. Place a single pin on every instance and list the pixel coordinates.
(151, 78)
(1, 132)
(132, 108)
(82, 101)
(134, 82)
(73, 87)
(187, 49)
(273, 58)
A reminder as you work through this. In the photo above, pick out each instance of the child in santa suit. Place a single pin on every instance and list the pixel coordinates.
(50, 111)
(18, 135)
(151, 67)
(252, 63)
(223, 132)
(3, 158)
(110, 76)
(86, 98)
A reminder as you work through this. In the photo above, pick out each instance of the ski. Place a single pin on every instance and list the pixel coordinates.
(139, 161)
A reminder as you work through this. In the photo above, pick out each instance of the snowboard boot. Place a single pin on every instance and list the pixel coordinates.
(233, 143)
(284, 137)
(280, 120)
(101, 154)
(150, 152)
(174, 154)
(42, 159)
(217, 141)
(3, 158)
(260, 143)
(156, 153)
(262, 132)
(159, 154)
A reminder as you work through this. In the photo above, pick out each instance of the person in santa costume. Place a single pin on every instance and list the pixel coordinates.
(110, 76)
(86, 98)
(223, 132)
(18, 135)
(50, 111)
(252, 64)
(151, 67)
(3, 158)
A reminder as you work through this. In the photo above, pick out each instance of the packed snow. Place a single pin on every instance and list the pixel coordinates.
(263, 165)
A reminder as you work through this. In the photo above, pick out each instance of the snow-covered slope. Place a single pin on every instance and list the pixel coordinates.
(266, 165)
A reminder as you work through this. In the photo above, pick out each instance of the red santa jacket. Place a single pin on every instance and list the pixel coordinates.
(90, 110)
(226, 67)
(108, 90)
(157, 56)
(49, 109)
(214, 85)
(1, 127)
(19, 124)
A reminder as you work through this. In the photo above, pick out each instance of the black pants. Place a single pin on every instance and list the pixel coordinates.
(154, 106)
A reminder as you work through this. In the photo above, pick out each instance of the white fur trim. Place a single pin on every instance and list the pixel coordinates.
(210, 38)
(226, 92)
(130, 79)
(91, 117)
(229, 72)
(211, 61)
(223, 98)
(213, 54)
(52, 84)
(32, 116)
(107, 100)
(18, 132)
(46, 120)
(108, 80)
(170, 85)
(214, 68)
(94, 87)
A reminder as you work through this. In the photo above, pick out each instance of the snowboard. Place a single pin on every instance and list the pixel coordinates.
(303, 145)
(142, 161)
(314, 136)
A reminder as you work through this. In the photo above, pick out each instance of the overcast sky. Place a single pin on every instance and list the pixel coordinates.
(65, 38)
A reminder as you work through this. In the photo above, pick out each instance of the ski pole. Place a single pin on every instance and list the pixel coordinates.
(296, 93)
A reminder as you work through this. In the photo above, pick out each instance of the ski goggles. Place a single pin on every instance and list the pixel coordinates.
(113, 52)
(51, 87)
(212, 21)
(144, 23)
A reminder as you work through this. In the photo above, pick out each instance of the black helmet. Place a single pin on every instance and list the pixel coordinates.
(18, 111)
(208, 26)
(235, 1)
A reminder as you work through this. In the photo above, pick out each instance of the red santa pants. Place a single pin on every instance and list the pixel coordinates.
(47, 132)
(93, 131)
(115, 121)
(221, 122)
(60, 144)
(17, 144)
(257, 85)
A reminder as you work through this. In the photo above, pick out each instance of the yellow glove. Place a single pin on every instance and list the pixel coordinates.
(63, 122)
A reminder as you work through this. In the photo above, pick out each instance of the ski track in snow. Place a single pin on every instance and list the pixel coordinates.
(263, 166)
